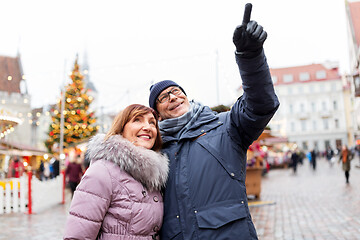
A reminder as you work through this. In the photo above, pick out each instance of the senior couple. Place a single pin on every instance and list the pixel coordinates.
(188, 182)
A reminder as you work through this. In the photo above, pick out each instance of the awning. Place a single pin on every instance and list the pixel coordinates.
(11, 148)
(22, 153)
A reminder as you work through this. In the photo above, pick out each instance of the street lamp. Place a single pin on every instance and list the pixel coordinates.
(61, 150)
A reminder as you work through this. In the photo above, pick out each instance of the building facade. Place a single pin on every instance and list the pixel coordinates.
(315, 107)
(15, 100)
(353, 29)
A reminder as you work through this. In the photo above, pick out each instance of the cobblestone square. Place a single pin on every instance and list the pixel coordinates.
(311, 205)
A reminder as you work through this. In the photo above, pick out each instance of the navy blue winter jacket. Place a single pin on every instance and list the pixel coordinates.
(205, 195)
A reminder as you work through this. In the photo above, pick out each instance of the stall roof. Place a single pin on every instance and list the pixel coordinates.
(12, 148)
(274, 140)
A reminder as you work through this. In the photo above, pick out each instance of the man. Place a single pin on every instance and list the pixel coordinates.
(295, 156)
(205, 196)
(313, 158)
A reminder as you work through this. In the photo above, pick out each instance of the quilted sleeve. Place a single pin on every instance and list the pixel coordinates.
(90, 203)
(254, 109)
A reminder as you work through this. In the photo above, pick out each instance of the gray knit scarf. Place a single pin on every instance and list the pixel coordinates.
(177, 126)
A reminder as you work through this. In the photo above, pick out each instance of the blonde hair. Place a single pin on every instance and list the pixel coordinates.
(126, 115)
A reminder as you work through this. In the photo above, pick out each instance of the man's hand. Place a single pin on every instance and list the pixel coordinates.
(249, 37)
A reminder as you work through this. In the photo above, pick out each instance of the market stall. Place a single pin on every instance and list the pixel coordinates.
(256, 165)
(29, 158)
(278, 151)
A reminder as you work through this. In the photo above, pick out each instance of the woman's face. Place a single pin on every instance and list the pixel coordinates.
(141, 130)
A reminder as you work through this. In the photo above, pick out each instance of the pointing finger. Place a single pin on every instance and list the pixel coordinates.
(247, 13)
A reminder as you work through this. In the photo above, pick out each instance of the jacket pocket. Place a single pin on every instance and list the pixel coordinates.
(216, 216)
(170, 228)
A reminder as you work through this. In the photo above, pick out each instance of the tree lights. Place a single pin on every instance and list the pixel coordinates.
(79, 123)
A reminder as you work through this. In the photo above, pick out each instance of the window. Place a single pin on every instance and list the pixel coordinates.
(303, 125)
(274, 79)
(311, 88)
(292, 126)
(23, 89)
(291, 108)
(305, 146)
(357, 82)
(290, 91)
(288, 78)
(338, 143)
(313, 107)
(326, 123)
(333, 87)
(304, 76)
(314, 125)
(320, 74)
(302, 108)
(335, 105)
(337, 125)
(327, 144)
(301, 90)
(323, 104)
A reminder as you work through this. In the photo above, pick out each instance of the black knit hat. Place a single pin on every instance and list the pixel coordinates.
(157, 88)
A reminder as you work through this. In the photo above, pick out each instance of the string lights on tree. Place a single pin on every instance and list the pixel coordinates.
(79, 121)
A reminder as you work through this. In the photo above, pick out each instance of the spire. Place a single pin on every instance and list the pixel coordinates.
(86, 72)
(23, 84)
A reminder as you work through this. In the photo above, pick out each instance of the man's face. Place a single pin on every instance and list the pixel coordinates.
(172, 105)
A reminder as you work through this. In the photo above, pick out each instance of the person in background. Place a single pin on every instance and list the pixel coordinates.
(47, 170)
(73, 175)
(357, 152)
(313, 159)
(16, 168)
(119, 196)
(345, 157)
(205, 195)
(55, 163)
(295, 156)
(41, 170)
(330, 155)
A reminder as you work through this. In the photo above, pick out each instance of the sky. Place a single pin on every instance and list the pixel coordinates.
(131, 44)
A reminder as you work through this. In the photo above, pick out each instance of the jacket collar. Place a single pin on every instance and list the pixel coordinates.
(146, 166)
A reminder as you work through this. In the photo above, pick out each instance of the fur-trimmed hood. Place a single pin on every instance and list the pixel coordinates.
(146, 166)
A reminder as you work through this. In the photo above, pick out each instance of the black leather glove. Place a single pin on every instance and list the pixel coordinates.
(249, 37)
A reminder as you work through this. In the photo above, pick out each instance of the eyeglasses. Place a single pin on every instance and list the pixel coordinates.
(166, 96)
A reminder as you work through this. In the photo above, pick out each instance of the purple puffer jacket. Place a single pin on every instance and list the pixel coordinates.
(118, 197)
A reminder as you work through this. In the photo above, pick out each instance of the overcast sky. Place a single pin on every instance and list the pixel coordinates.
(131, 44)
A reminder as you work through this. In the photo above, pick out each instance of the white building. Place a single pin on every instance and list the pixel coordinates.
(41, 120)
(315, 106)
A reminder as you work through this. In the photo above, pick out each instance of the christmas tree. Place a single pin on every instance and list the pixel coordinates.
(79, 122)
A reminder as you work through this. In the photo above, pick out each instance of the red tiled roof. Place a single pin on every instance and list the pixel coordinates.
(331, 73)
(354, 8)
(10, 66)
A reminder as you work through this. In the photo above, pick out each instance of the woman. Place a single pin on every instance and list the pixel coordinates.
(346, 157)
(73, 174)
(119, 195)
